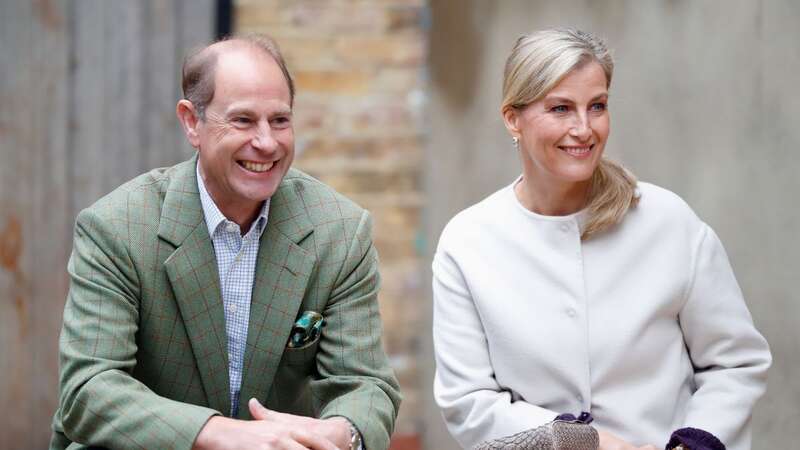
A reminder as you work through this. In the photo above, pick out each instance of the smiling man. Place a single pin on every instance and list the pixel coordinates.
(229, 301)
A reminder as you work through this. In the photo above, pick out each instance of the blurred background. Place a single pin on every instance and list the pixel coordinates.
(397, 107)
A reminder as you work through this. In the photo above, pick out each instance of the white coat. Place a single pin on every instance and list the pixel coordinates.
(644, 325)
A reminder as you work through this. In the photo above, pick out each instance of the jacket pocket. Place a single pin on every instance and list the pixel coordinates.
(301, 356)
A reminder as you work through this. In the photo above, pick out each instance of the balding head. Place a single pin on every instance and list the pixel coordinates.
(199, 67)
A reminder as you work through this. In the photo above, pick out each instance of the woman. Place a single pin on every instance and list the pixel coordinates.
(577, 289)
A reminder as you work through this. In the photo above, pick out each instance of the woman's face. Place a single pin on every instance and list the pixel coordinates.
(562, 136)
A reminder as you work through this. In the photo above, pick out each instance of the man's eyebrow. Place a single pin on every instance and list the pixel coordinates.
(239, 110)
(282, 111)
(245, 110)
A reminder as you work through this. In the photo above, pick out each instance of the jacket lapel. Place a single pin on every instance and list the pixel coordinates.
(282, 272)
(192, 272)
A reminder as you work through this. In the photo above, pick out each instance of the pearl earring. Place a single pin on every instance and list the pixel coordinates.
(516, 142)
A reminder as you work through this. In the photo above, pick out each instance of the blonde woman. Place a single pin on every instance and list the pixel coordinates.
(577, 289)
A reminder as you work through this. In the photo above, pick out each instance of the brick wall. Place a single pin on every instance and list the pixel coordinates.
(358, 67)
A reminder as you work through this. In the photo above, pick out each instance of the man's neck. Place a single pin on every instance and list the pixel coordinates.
(241, 213)
(244, 217)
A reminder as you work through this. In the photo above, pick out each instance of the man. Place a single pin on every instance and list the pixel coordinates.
(223, 283)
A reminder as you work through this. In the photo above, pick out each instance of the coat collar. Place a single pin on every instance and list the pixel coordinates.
(282, 272)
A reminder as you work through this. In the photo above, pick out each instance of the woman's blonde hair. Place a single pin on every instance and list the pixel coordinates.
(538, 62)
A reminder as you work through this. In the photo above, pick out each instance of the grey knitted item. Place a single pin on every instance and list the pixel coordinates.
(556, 435)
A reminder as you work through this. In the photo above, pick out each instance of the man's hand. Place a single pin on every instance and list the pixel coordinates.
(335, 429)
(609, 441)
(273, 430)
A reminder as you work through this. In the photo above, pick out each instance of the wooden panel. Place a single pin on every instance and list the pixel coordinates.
(88, 89)
(87, 110)
(34, 208)
(160, 129)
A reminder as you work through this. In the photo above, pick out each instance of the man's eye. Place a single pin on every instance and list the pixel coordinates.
(241, 120)
(599, 106)
(559, 109)
(281, 121)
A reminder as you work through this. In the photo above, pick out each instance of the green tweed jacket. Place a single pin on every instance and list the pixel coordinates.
(143, 359)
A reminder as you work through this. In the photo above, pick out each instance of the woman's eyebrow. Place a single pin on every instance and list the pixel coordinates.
(558, 99)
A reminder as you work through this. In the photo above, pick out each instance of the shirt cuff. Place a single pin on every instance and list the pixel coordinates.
(694, 439)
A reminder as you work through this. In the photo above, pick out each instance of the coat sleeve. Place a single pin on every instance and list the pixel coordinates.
(729, 356)
(355, 379)
(100, 403)
(474, 406)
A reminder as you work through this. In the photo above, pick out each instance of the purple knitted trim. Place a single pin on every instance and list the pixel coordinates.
(694, 439)
(585, 417)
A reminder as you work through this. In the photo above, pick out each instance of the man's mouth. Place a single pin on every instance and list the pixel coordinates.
(582, 150)
(257, 167)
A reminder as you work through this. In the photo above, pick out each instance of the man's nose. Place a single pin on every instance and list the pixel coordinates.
(263, 138)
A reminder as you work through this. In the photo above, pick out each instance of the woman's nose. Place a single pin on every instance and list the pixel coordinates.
(582, 128)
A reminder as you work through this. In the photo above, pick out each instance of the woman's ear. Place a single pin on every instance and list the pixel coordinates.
(511, 120)
(187, 115)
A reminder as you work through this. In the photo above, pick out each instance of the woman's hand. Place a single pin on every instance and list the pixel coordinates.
(609, 441)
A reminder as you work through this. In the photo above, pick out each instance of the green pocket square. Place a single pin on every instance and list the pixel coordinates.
(306, 329)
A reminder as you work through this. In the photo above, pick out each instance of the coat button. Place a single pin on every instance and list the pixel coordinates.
(571, 312)
(565, 227)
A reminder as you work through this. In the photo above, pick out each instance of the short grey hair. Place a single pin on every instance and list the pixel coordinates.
(540, 60)
(199, 68)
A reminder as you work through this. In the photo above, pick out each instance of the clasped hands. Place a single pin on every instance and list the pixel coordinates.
(273, 430)
(609, 441)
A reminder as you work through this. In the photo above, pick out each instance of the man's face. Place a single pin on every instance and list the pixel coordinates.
(246, 141)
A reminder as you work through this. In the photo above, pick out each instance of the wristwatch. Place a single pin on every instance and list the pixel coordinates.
(355, 438)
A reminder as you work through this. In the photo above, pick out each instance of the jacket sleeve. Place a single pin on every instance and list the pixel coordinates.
(355, 379)
(474, 406)
(100, 403)
(729, 356)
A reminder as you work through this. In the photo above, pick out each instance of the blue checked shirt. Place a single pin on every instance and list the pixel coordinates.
(236, 263)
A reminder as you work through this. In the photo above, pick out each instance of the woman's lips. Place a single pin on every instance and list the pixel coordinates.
(577, 151)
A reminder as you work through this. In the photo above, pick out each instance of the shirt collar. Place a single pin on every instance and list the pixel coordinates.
(214, 217)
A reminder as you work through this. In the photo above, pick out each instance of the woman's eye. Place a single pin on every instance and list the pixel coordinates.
(559, 109)
(598, 106)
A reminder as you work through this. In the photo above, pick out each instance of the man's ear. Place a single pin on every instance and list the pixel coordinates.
(187, 115)
(511, 120)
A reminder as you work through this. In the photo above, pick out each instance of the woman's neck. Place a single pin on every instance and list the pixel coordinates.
(552, 199)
